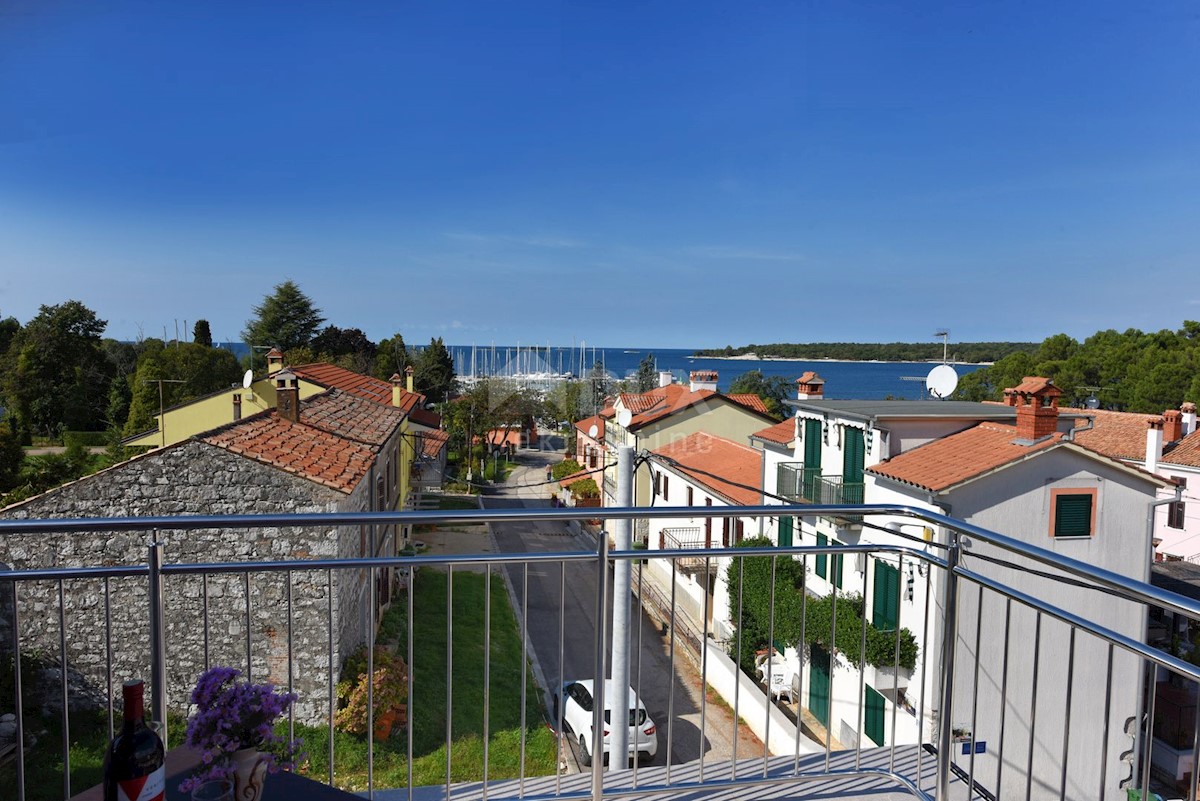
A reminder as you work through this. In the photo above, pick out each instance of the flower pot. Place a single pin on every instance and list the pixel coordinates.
(384, 723)
(250, 771)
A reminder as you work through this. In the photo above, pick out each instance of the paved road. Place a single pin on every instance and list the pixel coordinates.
(547, 596)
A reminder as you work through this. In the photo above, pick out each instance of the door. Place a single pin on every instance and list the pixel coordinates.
(818, 684)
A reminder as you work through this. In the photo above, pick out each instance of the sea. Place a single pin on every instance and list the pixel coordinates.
(843, 380)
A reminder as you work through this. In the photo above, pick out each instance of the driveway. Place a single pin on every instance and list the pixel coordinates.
(572, 589)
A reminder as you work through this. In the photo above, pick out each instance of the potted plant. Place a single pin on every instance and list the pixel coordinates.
(389, 693)
(233, 727)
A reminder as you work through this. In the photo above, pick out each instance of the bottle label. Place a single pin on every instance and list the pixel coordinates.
(151, 787)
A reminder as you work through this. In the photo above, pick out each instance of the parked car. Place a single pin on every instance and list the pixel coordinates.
(576, 703)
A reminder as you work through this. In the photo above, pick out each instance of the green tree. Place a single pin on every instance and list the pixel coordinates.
(202, 334)
(391, 358)
(773, 390)
(346, 347)
(286, 319)
(434, 372)
(12, 455)
(647, 374)
(201, 370)
(57, 374)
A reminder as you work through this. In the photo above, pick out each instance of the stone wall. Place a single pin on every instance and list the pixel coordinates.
(194, 478)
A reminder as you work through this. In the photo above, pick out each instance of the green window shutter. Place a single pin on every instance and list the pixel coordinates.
(885, 611)
(835, 575)
(812, 443)
(854, 455)
(785, 532)
(818, 684)
(822, 558)
(1073, 515)
(876, 711)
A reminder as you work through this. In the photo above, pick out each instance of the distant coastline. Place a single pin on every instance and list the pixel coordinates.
(754, 357)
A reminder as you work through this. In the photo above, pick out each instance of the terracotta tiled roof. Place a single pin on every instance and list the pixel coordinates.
(639, 402)
(585, 425)
(567, 481)
(750, 401)
(782, 433)
(735, 464)
(951, 460)
(648, 407)
(1119, 435)
(300, 449)
(498, 437)
(432, 443)
(364, 386)
(810, 377)
(1186, 452)
(351, 417)
(424, 417)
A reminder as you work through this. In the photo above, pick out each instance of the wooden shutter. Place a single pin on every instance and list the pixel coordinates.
(785, 532)
(812, 443)
(822, 559)
(876, 711)
(1073, 515)
(885, 609)
(854, 454)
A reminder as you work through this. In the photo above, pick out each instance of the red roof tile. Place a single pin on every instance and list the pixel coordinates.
(750, 401)
(584, 426)
(351, 417)
(649, 407)
(1120, 435)
(364, 386)
(951, 460)
(701, 453)
(567, 481)
(783, 433)
(300, 449)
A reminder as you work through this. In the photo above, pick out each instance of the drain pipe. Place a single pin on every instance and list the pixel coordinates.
(1069, 436)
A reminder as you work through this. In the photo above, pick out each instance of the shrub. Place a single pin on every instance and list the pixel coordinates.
(585, 488)
(566, 467)
(390, 688)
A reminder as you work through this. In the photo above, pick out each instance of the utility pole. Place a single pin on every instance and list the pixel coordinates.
(618, 755)
(162, 418)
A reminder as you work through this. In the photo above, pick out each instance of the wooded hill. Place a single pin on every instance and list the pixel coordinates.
(974, 352)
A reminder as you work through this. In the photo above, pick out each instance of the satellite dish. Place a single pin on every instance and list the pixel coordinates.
(624, 418)
(593, 431)
(1092, 402)
(941, 381)
(248, 379)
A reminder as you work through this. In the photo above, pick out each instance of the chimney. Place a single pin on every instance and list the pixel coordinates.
(409, 372)
(274, 361)
(1189, 417)
(703, 379)
(810, 386)
(1036, 400)
(1154, 444)
(1172, 426)
(665, 378)
(287, 395)
(396, 382)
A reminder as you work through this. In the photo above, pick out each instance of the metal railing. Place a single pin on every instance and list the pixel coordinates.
(795, 481)
(1005, 694)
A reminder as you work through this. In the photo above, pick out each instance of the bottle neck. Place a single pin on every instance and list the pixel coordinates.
(134, 712)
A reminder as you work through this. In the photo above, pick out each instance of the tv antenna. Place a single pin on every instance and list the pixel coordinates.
(944, 333)
(162, 417)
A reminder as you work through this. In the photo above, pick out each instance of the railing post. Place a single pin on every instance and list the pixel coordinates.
(946, 689)
(158, 640)
(601, 619)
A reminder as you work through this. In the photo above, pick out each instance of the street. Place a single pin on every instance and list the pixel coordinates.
(650, 671)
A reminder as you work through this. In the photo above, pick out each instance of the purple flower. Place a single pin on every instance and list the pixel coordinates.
(231, 715)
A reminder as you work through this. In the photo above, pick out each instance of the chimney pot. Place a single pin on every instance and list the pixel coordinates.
(1036, 399)
(1154, 443)
(1172, 425)
(287, 395)
(810, 386)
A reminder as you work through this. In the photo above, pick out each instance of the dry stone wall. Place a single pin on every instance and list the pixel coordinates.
(207, 620)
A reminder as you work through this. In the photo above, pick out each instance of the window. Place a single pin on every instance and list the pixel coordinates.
(657, 484)
(885, 610)
(689, 497)
(1072, 513)
(1175, 509)
(785, 532)
(876, 711)
(666, 487)
(725, 532)
(822, 559)
(237, 406)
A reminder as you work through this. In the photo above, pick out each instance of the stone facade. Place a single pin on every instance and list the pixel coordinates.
(197, 478)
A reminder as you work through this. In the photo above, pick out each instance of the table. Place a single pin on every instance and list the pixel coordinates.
(282, 786)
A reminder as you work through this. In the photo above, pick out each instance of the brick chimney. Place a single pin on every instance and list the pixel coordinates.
(1172, 426)
(287, 395)
(274, 361)
(1189, 417)
(810, 386)
(703, 379)
(409, 372)
(1036, 400)
(1154, 443)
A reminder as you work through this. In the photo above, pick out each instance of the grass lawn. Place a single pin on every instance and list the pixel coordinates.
(89, 735)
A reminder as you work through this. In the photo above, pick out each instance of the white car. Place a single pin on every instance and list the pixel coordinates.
(577, 709)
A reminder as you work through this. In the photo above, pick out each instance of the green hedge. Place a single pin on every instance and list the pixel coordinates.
(86, 439)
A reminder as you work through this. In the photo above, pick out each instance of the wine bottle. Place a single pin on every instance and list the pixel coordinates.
(133, 767)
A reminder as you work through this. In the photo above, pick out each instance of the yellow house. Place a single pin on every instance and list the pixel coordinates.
(217, 409)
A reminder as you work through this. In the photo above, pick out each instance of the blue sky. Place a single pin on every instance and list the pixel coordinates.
(650, 174)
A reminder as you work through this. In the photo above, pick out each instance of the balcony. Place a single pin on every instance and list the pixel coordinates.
(678, 539)
(832, 491)
(980, 715)
(795, 481)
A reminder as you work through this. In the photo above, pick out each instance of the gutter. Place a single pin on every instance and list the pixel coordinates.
(1069, 436)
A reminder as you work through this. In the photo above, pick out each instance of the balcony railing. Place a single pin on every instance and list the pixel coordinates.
(831, 490)
(795, 481)
(1010, 695)
(679, 539)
